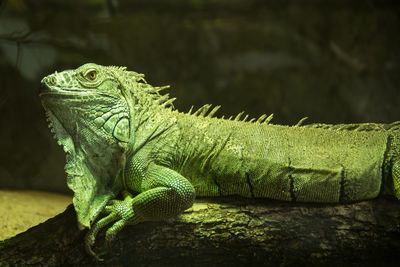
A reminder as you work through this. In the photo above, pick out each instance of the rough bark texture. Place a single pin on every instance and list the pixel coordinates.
(230, 232)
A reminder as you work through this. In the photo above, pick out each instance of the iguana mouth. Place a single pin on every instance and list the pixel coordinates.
(55, 91)
(65, 93)
(52, 88)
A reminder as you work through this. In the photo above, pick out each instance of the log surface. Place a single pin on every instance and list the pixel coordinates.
(227, 232)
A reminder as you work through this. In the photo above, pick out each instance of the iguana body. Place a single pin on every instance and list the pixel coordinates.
(123, 138)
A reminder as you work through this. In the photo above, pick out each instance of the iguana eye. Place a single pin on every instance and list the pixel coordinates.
(91, 75)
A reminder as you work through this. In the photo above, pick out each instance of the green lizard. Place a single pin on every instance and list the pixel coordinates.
(132, 157)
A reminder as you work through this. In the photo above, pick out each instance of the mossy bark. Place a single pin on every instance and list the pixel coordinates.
(229, 232)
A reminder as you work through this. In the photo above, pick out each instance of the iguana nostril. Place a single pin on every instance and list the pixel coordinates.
(49, 80)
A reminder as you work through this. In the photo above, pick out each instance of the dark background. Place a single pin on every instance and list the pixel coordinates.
(333, 61)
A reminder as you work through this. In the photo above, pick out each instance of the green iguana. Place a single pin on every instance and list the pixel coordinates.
(131, 156)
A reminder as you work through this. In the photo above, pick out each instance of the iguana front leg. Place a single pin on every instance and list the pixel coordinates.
(164, 193)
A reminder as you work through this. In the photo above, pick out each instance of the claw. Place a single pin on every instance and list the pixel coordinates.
(89, 242)
(90, 237)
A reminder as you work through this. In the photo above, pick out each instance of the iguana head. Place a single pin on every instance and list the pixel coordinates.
(89, 113)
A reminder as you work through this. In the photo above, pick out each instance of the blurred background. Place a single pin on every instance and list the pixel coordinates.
(332, 61)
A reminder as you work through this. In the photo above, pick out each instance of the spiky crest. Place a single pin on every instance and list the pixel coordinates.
(301, 122)
(145, 93)
(203, 112)
(140, 91)
(362, 127)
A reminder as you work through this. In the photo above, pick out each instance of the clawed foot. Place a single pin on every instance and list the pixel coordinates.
(119, 213)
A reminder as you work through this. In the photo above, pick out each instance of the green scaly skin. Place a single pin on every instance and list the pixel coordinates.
(132, 157)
